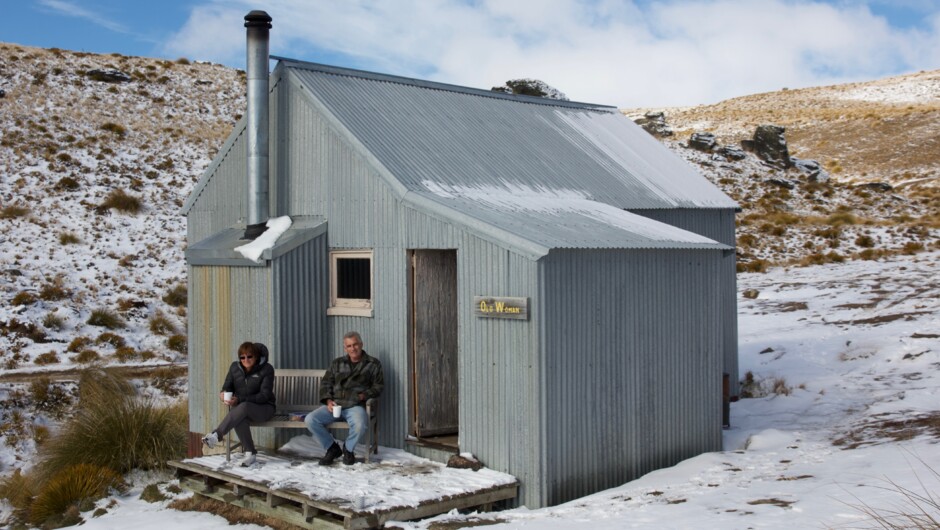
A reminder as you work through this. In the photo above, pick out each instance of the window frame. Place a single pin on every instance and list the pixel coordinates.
(359, 307)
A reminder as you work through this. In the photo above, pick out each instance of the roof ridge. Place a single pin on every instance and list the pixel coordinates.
(434, 85)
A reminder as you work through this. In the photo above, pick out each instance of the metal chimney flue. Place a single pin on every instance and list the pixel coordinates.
(258, 24)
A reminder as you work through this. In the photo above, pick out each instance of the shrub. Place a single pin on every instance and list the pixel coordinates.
(68, 238)
(161, 325)
(86, 356)
(865, 241)
(23, 298)
(182, 60)
(78, 344)
(750, 294)
(67, 184)
(71, 485)
(50, 357)
(177, 343)
(110, 338)
(105, 319)
(122, 202)
(177, 296)
(13, 211)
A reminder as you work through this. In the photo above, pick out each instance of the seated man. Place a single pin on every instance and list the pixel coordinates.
(348, 383)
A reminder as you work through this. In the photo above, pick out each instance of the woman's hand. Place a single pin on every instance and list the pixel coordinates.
(232, 402)
(329, 405)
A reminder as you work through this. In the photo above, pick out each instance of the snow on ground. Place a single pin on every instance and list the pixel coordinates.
(852, 350)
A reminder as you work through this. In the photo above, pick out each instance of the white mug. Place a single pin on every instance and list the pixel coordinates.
(337, 411)
(227, 396)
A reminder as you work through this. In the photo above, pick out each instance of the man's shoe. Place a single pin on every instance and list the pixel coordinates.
(247, 460)
(331, 454)
(349, 457)
(211, 440)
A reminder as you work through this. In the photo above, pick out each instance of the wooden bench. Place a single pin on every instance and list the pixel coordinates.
(297, 393)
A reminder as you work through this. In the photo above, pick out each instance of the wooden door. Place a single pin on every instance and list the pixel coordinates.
(434, 317)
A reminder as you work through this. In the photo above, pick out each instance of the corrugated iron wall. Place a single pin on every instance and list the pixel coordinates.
(227, 306)
(301, 280)
(222, 201)
(717, 225)
(632, 335)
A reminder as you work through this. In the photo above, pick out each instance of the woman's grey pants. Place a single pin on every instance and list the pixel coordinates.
(238, 418)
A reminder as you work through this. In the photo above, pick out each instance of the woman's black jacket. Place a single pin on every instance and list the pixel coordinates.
(256, 386)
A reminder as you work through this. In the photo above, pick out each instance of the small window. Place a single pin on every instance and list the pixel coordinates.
(350, 283)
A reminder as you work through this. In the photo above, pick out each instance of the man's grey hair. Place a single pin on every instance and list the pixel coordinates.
(353, 335)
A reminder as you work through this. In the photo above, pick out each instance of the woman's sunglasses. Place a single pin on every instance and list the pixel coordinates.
(243, 357)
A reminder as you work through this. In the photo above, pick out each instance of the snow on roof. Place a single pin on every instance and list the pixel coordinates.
(563, 218)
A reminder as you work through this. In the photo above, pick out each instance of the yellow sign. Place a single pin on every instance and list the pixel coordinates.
(501, 307)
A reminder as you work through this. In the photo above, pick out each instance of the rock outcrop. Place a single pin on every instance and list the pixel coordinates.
(770, 145)
(655, 124)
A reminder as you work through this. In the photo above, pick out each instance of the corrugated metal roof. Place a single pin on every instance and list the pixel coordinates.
(425, 132)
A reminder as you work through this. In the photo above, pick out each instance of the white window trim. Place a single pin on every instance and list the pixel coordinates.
(357, 307)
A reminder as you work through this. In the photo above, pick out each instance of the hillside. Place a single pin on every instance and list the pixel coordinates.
(98, 153)
(879, 143)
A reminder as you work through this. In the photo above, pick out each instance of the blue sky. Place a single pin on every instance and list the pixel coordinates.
(626, 53)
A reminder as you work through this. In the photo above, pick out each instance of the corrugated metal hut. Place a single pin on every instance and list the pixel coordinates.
(547, 286)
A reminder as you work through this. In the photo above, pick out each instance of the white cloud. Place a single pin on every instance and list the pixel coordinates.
(69, 9)
(677, 52)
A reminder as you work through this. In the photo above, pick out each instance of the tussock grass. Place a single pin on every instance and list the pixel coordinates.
(78, 344)
(178, 343)
(23, 298)
(53, 322)
(161, 325)
(110, 338)
(13, 211)
(113, 427)
(70, 486)
(123, 202)
(106, 319)
(176, 296)
(68, 238)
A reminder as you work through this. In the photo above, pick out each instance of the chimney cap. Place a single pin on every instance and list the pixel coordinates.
(258, 19)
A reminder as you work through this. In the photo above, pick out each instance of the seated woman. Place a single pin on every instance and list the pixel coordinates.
(251, 381)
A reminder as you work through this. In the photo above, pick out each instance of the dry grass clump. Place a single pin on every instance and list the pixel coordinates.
(68, 238)
(79, 343)
(23, 298)
(119, 200)
(54, 290)
(72, 485)
(110, 338)
(12, 211)
(50, 357)
(114, 128)
(106, 319)
(161, 325)
(86, 357)
(178, 343)
(176, 296)
(53, 322)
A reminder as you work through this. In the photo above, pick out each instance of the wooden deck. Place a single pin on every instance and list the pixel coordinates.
(290, 503)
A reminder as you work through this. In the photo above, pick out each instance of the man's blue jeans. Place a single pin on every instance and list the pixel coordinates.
(356, 417)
